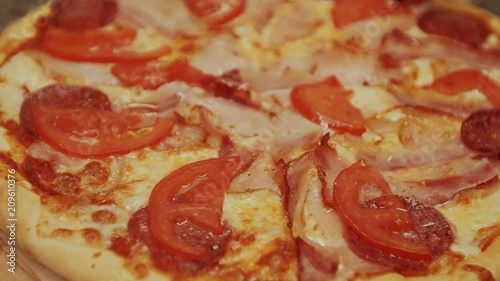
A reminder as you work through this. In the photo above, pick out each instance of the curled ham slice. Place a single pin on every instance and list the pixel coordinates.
(438, 182)
(332, 164)
(412, 137)
(291, 21)
(259, 175)
(317, 225)
(169, 17)
(76, 72)
(349, 66)
(218, 54)
(280, 134)
(183, 136)
(398, 46)
(462, 104)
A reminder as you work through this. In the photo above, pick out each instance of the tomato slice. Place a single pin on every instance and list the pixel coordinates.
(98, 45)
(327, 101)
(192, 194)
(346, 12)
(154, 74)
(95, 133)
(385, 225)
(216, 12)
(465, 80)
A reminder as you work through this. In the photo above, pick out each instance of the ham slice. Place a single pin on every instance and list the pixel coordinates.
(260, 175)
(280, 134)
(218, 54)
(399, 46)
(184, 136)
(331, 164)
(462, 105)
(351, 66)
(169, 17)
(316, 224)
(438, 182)
(412, 137)
(76, 72)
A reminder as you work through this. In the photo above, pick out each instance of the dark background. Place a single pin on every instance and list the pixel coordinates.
(12, 9)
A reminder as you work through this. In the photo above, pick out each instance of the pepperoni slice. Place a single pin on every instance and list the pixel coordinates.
(432, 229)
(63, 96)
(84, 14)
(185, 208)
(398, 232)
(463, 27)
(481, 131)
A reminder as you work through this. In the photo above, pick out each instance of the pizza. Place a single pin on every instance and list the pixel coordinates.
(252, 140)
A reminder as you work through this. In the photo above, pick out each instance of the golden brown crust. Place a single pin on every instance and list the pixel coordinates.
(23, 31)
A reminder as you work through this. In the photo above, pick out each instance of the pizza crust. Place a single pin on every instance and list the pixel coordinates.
(23, 31)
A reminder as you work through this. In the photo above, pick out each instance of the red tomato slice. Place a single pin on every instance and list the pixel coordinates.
(216, 12)
(465, 80)
(346, 12)
(99, 45)
(192, 194)
(154, 74)
(386, 225)
(327, 101)
(95, 133)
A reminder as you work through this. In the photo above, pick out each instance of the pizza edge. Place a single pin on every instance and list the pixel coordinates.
(78, 262)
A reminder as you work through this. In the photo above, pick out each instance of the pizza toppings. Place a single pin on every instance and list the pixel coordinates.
(465, 80)
(312, 219)
(328, 102)
(399, 232)
(84, 14)
(382, 222)
(463, 27)
(78, 121)
(185, 208)
(398, 46)
(90, 133)
(216, 12)
(431, 229)
(151, 75)
(346, 12)
(481, 131)
(108, 44)
(438, 182)
(62, 96)
(375, 216)
(412, 137)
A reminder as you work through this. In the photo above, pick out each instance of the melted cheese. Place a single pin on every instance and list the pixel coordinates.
(260, 232)
(470, 216)
(23, 71)
(372, 100)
